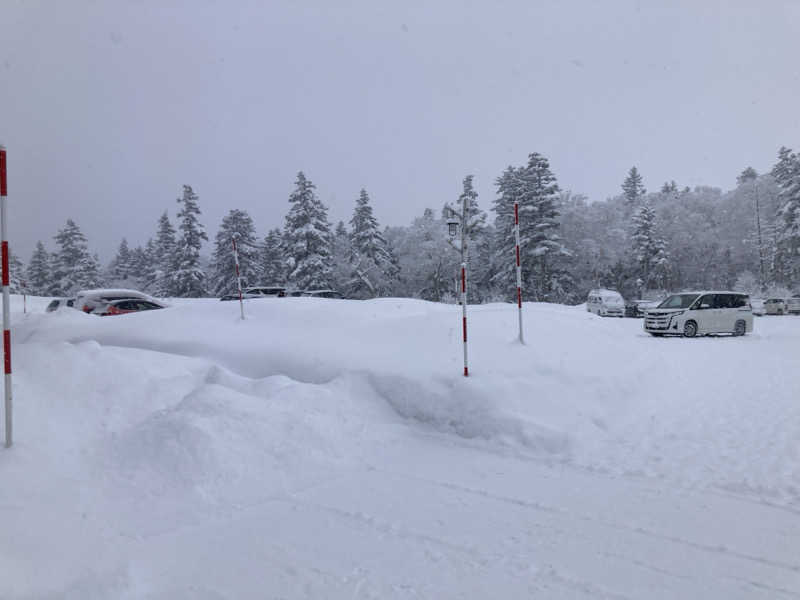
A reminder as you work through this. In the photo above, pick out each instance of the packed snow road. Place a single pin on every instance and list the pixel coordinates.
(331, 449)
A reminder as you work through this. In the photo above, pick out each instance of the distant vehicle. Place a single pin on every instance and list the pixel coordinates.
(88, 300)
(265, 291)
(793, 305)
(323, 294)
(775, 306)
(637, 308)
(606, 303)
(295, 293)
(701, 313)
(758, 307)
(121, 307)
(60, 303)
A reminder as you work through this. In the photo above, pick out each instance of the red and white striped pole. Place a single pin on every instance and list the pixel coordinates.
(519, 270)
(464, 251)
(464, 313)
(238, 276)
(6, 316)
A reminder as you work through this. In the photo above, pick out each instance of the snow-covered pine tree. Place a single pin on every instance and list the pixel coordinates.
(534, 186)
(372, 264)
(39, 277)
(307, 238)
(649, 249)
(633, 188)
(137, 264)
(73, 268)
(16, 275)
(222, 276)
(162, 259)
(341, 253)
(272, 259)
(786, 261)
(120, 267)
(476, 230)
(188, 279)
(146, 265)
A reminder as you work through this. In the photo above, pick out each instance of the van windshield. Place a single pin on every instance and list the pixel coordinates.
(679, 301)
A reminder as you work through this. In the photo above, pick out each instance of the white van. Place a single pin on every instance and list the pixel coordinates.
(701, 313)
(606, 303)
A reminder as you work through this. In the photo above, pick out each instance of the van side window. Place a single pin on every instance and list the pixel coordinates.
(722, 301)
(706, 301)
(738, 301)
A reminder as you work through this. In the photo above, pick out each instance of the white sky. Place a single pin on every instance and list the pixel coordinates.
(106, 108)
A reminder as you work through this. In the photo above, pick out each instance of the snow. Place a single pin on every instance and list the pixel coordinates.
(331, 449)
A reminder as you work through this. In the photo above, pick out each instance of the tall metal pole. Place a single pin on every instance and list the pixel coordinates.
(519, 270)
(6, 315)
(238, 276)
(464, 250)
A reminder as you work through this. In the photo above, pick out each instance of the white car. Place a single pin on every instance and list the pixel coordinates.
(775, 306)
(701, 313)
(89, 300)
(606, 303)
(793, 305)
(757, 304)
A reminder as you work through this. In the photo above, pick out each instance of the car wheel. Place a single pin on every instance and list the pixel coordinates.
(690, 329)
(740, 328)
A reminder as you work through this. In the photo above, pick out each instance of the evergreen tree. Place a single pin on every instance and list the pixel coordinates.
(648, 247)
(749, 174)
(342, 277)
(787, 223)
(73, 268)
(534, 186)
(222, 278)
(307, 238)
(39, 277)
(16, 275)
(138, 264)
(162, 258)
(669, 188)
(272, 259)
(475, 232)
(188, 279)
(633, 188)
(120, 268)
(373, 265)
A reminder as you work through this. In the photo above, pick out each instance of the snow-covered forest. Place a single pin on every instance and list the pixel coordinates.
(641, 242)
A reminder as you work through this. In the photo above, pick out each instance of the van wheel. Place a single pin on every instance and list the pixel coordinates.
(690, 329)
(740, 328)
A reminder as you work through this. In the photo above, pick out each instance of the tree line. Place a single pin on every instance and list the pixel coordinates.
(640, 243)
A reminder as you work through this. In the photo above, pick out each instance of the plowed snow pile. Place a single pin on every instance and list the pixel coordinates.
(331, 449)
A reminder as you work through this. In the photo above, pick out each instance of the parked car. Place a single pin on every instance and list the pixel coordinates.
(265, 291)
(88, 300)
(757, 304)
(295, 293)
(637, 308)
(793, 305)
(775, 306)
(60, 303)
(129, 305)
(701, 313)
(323, 294)
(606, 303)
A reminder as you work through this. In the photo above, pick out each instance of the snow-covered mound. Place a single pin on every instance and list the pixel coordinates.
(139, 436)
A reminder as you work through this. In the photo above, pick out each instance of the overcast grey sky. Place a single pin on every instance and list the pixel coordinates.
(106, 108)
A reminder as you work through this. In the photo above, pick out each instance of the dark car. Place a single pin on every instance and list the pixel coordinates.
(323, 294)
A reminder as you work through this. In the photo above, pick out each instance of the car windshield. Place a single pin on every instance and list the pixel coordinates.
(679, 301)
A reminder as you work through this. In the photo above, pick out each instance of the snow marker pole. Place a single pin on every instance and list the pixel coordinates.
(238, 276)
(6, 299)
(464, 216)
(519, 270)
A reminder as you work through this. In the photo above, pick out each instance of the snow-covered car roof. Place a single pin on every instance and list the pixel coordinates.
(111, 293)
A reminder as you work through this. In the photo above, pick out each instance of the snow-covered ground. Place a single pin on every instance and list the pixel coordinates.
(331, 449)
